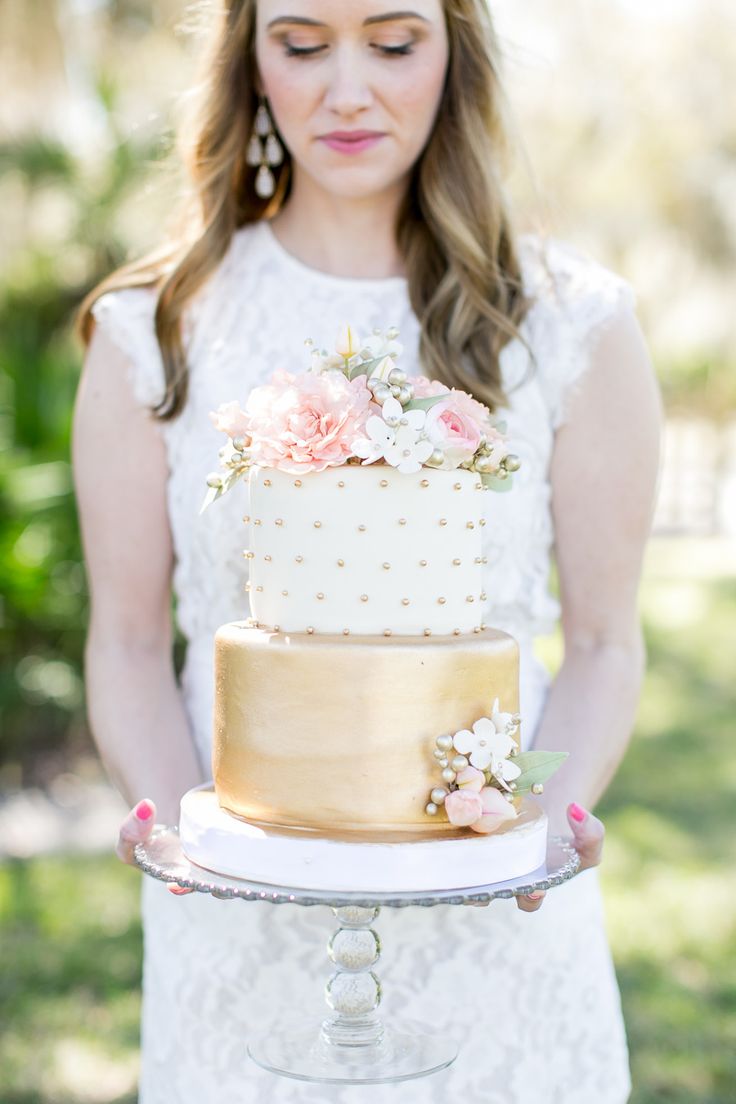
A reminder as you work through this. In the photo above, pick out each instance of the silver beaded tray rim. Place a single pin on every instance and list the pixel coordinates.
(162, 858)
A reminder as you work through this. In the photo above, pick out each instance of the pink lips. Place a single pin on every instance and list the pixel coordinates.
(351, 141)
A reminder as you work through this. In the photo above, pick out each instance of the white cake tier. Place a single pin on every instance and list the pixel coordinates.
(366, 550)
(305, 859)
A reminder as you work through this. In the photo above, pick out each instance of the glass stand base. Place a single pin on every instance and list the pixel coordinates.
(305, 1055)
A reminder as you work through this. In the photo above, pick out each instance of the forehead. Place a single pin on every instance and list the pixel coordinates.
(347, 13)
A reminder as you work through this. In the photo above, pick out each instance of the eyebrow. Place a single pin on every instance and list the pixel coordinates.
(386, 18)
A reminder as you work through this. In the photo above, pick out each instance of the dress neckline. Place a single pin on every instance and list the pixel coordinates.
(374, 283)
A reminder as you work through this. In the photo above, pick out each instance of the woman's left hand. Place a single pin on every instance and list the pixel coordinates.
(588, 833)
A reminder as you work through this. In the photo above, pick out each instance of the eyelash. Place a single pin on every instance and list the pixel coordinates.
(312, 51)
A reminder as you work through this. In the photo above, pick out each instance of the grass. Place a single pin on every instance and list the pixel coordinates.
(70, 954)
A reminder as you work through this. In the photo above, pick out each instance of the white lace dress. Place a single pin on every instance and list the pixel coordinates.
(533, 998)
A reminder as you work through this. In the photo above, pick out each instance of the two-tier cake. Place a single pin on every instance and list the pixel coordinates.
(366, 720)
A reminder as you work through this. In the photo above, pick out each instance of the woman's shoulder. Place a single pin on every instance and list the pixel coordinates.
(562, 277)
(574, 298)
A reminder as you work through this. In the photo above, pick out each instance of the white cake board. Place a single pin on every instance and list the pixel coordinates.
(455, 859)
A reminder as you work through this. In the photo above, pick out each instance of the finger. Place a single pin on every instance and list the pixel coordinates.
(530, 902)
(179, 890)
(136, 828)
(588, 835)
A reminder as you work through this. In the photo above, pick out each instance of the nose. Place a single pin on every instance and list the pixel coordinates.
(348, 91)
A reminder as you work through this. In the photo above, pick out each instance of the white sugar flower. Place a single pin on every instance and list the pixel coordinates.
(489, 745)
(396, 437)
(379, 437)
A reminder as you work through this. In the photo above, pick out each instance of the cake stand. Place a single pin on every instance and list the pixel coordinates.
(351, 1045)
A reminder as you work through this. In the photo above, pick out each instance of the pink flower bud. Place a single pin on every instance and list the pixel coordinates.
(471, 779)
(496, 811)
(463, 808)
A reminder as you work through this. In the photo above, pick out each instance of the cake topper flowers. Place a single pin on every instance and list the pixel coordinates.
(356, 406)
(487, 774)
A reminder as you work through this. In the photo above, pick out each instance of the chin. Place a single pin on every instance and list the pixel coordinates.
(357, 181)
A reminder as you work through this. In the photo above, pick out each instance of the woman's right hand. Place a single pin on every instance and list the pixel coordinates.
(136, 828)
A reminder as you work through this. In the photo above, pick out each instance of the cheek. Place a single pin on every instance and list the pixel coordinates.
(416, 94)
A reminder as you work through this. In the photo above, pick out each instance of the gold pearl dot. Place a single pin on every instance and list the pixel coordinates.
(476, 629)
(310, 630)
(340, 563)
(279, 521)
(247, 586)
(249, 555)
(470, 598)
(455, 632)
(482, 596)
(318, 525)
(320, 595)
(484, 560)
(422, 563)
(442, 601)
(364, 597)
(266, 482)
(470, 525)
(267, 558)
(346, 632)
(361, 528)
(341, 483)
(387, 632)
(479, 486)
(246, 518)
(483, 626)
(297, 482)
(482, 521)
(386, 567)
(402, 521)
(259, 588)
(384, 483)
(405, 601)
(285, 593)
(456, 563)
(458, 486)
(298, 559)
(478, 560)
(427, 632)
(256, 521)
(424, 483)
(443, 521)
(276, 628)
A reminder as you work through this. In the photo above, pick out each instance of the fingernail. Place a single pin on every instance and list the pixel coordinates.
(143, 810)
(577, 812)
(534, 896)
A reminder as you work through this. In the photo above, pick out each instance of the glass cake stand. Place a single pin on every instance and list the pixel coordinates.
(351, 1045)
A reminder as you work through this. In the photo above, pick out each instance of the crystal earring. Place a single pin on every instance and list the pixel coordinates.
(264, 151)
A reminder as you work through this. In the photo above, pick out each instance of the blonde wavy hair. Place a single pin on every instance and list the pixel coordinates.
(453, 230)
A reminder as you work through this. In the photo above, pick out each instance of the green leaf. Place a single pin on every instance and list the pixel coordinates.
(228, 482)
(501, 486)
(426, 403)
(537, 766)
(209, 498)
(363, 368)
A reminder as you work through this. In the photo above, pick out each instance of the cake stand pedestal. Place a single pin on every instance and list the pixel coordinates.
(351, 1045)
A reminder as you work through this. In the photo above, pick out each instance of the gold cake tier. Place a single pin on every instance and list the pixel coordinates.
(316, 731)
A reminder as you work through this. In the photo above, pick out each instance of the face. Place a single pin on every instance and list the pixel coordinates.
(353, 86)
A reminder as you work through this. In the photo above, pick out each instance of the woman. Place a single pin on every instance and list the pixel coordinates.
(386, 207)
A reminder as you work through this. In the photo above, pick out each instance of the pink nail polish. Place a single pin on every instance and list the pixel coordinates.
(534, 896)
(577, 813)
(143, 810)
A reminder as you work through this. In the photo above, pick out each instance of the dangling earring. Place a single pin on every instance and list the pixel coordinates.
(264, 150)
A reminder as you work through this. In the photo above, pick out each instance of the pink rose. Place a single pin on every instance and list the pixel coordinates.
(307, 422)
(424, 387)
(496, 811)
(471, 779)
(469, 407)
(450, 429)
(230, 419)
(463, 808)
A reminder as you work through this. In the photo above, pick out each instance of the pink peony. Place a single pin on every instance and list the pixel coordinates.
(469, 407)
(471, 779)
(496, 811)
(450, 429)
(230, 419)
(307, 422)
(424, 387)
(463, 808)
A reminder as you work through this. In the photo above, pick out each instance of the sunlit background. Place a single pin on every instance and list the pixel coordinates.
(627, 147)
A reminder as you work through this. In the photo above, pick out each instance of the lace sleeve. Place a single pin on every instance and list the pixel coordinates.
(127, 317)
(577, 299)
